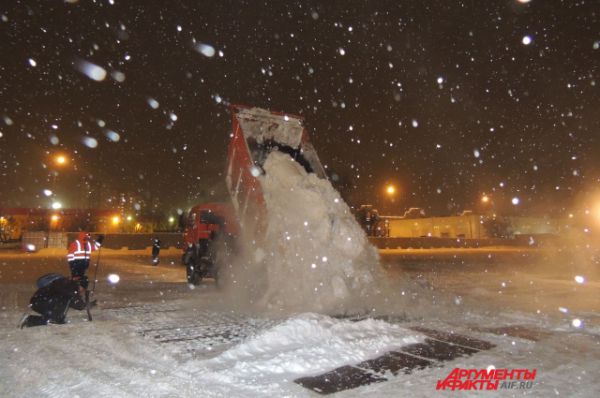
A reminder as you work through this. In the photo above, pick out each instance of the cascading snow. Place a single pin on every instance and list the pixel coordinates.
(315, 256)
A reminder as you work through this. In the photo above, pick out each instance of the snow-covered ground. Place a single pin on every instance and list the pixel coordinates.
(152, 335)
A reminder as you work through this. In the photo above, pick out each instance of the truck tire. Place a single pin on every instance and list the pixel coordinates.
(194, 276)
(190, 259)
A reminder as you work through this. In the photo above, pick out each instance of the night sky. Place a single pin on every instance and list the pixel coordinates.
(446, 99)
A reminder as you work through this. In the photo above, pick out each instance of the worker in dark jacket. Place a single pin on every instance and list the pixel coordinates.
(55, 295)
(155, 251)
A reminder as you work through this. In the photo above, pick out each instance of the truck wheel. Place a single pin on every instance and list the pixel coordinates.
(193, 275)
(188, 273)
(187, 257)
(196, 278)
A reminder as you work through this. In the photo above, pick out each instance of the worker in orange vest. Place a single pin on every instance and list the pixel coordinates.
(79, 255)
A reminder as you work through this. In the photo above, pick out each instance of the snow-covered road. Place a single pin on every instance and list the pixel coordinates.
(154, 336)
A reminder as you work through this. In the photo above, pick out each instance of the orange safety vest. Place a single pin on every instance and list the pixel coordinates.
(81, 251)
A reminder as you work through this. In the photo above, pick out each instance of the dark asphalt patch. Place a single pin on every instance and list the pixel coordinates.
(438, 347)
(393, 362)
(340, 379)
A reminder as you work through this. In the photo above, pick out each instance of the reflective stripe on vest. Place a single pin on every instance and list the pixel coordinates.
(80, 254)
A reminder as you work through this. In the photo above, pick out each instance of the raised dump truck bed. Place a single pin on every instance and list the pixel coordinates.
(257, 132)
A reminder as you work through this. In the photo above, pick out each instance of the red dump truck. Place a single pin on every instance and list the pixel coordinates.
(256, 132)
(210, 228)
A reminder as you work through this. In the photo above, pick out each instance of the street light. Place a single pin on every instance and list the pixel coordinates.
(60, 160)
(487, 204)
(54, 221)
(390, 192)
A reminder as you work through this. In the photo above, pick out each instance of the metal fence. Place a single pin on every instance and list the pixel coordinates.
(432, 243)
(34, 240)
(42, 239)
(134, 241)
(57, 239)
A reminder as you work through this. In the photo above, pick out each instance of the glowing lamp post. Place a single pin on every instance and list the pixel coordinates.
(390, 192)
(54, 221)
(487, 204)
(115, 222)
(60, 160)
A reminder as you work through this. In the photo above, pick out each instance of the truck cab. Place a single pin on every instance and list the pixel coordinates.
(210, 229)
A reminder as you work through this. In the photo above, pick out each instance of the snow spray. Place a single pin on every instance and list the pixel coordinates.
(315, 256)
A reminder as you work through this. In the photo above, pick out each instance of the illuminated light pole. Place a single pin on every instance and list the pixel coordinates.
(390, 192)
(60, 160)
(382, 226)
(487, 204)
(116, 223)
(54, 221)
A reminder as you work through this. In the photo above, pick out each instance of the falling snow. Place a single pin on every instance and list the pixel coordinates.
(453, 102)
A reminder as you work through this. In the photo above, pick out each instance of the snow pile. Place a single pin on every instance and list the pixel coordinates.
(303, 345)
(310, 343)
(315, 255)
